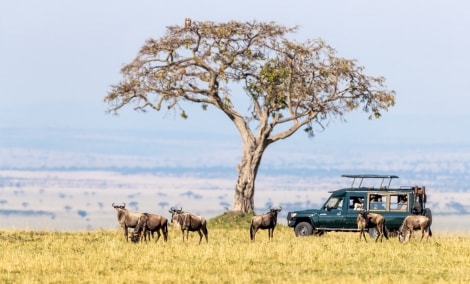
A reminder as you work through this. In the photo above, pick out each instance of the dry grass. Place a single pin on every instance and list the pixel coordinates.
(229, 257)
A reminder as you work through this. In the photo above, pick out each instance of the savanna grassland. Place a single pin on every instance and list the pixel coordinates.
(103, 256)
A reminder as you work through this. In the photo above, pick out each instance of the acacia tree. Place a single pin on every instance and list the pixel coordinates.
(289, 85)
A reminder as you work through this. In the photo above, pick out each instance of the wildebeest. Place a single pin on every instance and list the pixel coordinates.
(414, 222)
(189, 223)
(127, 219)
(150, 223)
(366, 219)
(265, 221)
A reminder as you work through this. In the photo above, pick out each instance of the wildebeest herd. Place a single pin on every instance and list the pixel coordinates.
(146, 224)
(368, 220)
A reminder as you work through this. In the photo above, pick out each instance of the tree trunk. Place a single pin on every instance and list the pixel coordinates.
(247, 171)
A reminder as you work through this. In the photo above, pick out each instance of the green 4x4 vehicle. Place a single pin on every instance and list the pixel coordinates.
(340, 210)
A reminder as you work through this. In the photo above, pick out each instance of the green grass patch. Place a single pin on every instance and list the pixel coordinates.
(231, 220)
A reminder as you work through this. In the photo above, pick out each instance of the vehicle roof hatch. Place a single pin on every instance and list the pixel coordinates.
(361, 177)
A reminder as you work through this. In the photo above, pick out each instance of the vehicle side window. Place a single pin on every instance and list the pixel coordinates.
(377, 202)
(356, 202)
(334, 203)
(399, 202)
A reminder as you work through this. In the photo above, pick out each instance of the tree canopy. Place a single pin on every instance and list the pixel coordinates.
(288, 85)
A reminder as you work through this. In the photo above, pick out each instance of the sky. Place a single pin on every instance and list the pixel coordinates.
(59, 58)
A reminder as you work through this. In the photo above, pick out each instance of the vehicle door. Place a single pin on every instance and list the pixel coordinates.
(355, 202)
(332, 214)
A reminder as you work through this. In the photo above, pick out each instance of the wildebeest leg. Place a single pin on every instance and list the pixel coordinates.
(270, 233)
(422, 233)
(158, 235)
(200, 236)
(124, 228)
(165, 233)
(253, 233)
(143, 234)
(428, 232)
(381, 233)
(362, 233)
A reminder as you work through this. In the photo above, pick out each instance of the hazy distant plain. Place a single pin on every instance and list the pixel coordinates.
(70, 179)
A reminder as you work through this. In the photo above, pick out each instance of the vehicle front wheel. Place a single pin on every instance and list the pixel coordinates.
(303, 229)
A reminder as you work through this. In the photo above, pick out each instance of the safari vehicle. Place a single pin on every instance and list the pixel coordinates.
(340, 210)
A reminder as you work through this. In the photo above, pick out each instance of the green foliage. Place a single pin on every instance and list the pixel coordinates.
(231, 220)
(230, 257)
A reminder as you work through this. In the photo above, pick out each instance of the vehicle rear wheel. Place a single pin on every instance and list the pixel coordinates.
(373, 233)
(427, 213)
(303, 229)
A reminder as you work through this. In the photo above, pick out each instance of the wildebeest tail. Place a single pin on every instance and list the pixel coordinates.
(165, 228)
(385, 230)
(252, 231)
(204, 227)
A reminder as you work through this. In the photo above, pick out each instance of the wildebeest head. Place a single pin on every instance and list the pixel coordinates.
(134, 237)
(123, 206)
(175, 214)
(275, 209)
(403, 234)
(365, 216)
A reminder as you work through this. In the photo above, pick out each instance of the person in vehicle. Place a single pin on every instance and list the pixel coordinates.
(402, 203)
(358, 203)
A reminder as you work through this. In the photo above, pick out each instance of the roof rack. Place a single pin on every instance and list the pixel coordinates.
(371, 176)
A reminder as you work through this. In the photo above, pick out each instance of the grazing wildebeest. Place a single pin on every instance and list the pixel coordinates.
(414, 222)
(127, 219)
(265, 221)
(150, 223)
(189, 223)
(366, 219)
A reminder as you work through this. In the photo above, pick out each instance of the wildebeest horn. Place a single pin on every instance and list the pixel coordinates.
(113, 204)
(277, 208)
(174, 209)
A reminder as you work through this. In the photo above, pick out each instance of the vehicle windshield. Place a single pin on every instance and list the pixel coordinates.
(334, 203)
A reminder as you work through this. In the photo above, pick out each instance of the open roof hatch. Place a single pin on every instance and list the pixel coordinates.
(369, 176)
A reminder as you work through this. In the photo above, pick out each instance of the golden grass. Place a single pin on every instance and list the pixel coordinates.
(229, 257)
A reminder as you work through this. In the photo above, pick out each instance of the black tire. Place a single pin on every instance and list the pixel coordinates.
(303, 229)
(427, 213)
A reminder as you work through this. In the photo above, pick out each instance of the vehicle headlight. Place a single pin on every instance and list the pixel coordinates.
(291, 215)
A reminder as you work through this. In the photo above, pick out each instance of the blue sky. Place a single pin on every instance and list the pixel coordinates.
(58, 59)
